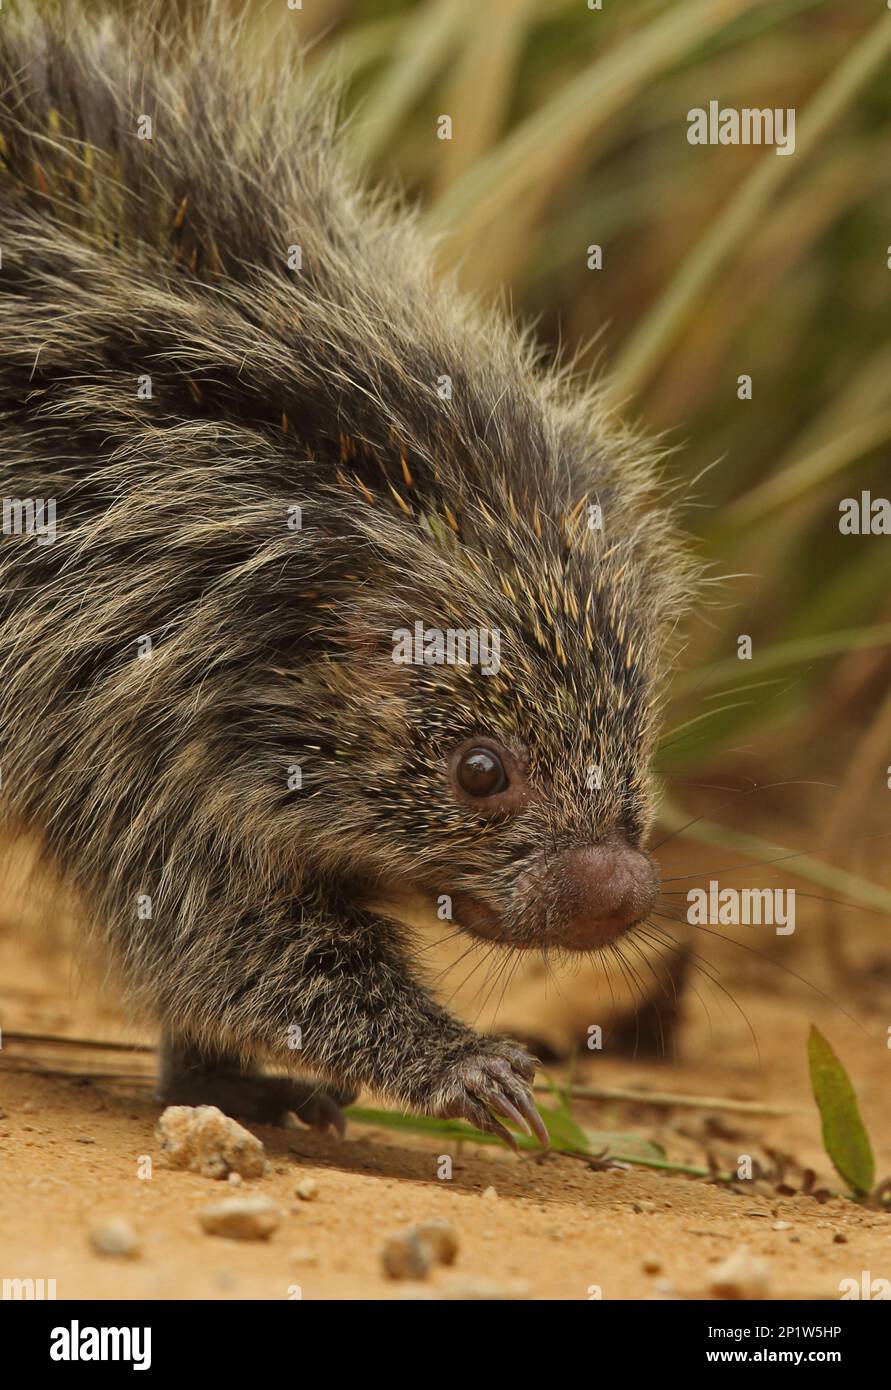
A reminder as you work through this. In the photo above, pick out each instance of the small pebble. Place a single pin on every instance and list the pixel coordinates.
(307, 1190)
(241, 1218)
(485, 1291)
(302, 1255)
(442, 1239)
(113, 1235)
(741, 1275)
(782, 1226)
(652, 1264)
(204, 1140)
(406, 1256)
(411, 1254)
(489, 1194)
(839, 1239)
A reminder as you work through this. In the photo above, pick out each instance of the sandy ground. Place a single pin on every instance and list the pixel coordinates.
(70, 1149)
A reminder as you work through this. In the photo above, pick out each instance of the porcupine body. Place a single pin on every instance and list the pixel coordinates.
(274, 443)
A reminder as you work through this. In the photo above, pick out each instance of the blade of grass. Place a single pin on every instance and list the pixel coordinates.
(652, 338)
(675, 1098)
(424, 44)
(554, 131)
(791, 483)
(562, 1138)
(458, 1130)
(480, 86)
(860, 890)
(784, 654)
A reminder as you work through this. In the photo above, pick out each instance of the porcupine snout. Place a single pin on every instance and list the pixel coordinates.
(591, 893)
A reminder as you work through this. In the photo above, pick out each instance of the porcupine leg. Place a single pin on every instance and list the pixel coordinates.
(339, 977)
(190, 1075)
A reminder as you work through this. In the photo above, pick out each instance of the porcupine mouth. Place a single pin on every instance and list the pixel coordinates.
(475, 916)
(478, 918)
(568, 911)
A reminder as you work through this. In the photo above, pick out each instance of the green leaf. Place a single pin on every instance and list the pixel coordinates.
(844, 1136)
(565, 1134)
(627, 1147)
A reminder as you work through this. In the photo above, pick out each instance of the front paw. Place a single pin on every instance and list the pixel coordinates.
(490, 1082)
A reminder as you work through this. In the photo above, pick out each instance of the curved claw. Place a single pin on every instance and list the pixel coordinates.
(533, 1118)
(524, 1064)
(322, 1113)
(490, 1125)
(523, 1110)
(493, 1082)
(335, 1121)
(506, 1107)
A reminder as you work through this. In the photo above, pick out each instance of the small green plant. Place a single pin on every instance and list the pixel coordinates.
(566, 1135)
(844, 1134)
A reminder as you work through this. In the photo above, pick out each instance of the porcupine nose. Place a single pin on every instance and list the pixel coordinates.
(605, 889)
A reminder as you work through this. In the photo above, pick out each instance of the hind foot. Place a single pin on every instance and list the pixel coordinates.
(189, 1077)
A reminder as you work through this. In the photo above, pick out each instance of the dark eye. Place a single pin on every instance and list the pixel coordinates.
(481, 772)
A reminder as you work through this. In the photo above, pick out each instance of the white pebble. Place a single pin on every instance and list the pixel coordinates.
(203, 1139)
(741, 1275)
(241, 1218)
(113, 1235)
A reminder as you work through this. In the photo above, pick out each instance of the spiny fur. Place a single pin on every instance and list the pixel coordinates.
(271, 646)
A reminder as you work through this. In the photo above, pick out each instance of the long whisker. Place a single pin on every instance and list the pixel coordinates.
(735, 1002)
(752, 950)
(655, 933)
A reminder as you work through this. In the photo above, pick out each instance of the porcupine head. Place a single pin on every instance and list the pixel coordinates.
(517, 626)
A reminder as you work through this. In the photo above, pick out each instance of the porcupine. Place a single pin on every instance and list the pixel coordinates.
(275, 440)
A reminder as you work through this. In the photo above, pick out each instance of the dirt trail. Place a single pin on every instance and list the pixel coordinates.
(69, 1150)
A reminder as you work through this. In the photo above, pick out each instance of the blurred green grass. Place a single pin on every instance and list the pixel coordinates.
(570, 129)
